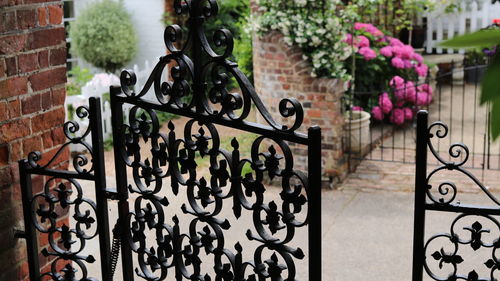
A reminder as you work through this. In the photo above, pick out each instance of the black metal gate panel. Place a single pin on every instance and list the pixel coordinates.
(171, 222)
(48, 204)
(476, 229)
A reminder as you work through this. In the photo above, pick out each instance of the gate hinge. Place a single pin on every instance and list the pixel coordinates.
(112, 194)
(19, 234)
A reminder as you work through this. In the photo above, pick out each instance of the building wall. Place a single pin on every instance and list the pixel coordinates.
(148, 21)
(32, 93)
(280, 72)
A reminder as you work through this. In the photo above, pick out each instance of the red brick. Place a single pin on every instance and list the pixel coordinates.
(43, 59)
(12, 44)
(14, 109)
(3, 68)
(46, 101)
(13, 87)
(58, 96)
(4, 155)
(48, 79)
(42, 16)
(26, 18)
(47, 140)
(32, 144)
(55, 14)
(31, 104)
(47, 37)
(23, 271)
(5, 176)
(4, 114)
(48, 155)
(48, 120)
(14, 130)
(14, 172)
(9, 21)
(58, 136)
(58, 56)
(36, 1)
(15, 151)
(11, 64)
(28, 62)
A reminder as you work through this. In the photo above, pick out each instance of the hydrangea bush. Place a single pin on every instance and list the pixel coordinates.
(389, 74)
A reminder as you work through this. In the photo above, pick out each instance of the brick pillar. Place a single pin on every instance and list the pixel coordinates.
(32, 93)
(280, 72)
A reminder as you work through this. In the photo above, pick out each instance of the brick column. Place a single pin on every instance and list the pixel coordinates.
(280, 72)
(32, 93)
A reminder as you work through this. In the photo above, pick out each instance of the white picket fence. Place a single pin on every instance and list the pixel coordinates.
(99, 87)
(472, 16)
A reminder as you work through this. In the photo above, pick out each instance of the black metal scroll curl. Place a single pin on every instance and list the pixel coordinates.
(75, 135)
(176, 251)
(65, 243)
(196, 65)
(451, 259)
(448, 190)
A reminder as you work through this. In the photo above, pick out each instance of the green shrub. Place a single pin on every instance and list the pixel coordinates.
(78, 77)
(232, 15)
(104, 35)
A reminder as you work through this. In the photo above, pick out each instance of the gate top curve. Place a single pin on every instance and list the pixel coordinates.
(199, 82)
(168, 171)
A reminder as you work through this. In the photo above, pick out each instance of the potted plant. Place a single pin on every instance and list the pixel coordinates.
(475, 63)
(357, 126)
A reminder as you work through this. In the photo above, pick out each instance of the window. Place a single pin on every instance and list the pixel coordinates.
(69, 16)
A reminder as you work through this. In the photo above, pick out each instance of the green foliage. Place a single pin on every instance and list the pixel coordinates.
(108, 144)
(104, 35)
(233, 15)
(78, 77)
(490, 88)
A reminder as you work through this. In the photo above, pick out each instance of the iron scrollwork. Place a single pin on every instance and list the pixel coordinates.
(442, 251)
(173, 157)
(201, 71)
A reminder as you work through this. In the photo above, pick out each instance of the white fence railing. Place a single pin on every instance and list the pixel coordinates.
(99, 87)
(472, 16)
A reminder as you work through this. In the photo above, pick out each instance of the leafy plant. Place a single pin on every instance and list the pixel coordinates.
(232, 15)
(77, 78)
(104, 35)
(490, 88)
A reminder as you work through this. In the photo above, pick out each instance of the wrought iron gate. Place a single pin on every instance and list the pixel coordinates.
(442, 255)
(155, 170)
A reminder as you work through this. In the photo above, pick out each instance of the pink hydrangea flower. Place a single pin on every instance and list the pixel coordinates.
(407, 52)
(408, 64)
(385, 103)
(386, 51)
(405, 90)
(359, 25)
(397, 82)
(368, 53)
(362, 41)
(397, 117)
(357, 108)
(423, 99)
(411, 96)
(417, 57)
(426, 88)
(421, 70)
(398, 63)
(396, 42)
(400, 103)
(349, 39)
(408, 113)
(377, 113)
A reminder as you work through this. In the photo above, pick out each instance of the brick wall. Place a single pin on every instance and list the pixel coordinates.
(32, 93)
(280, 72)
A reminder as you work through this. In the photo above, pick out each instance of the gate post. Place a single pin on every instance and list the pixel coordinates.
(314, 205)
(29, 229)
(121, 184)
(420, 194)
(95, 120)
